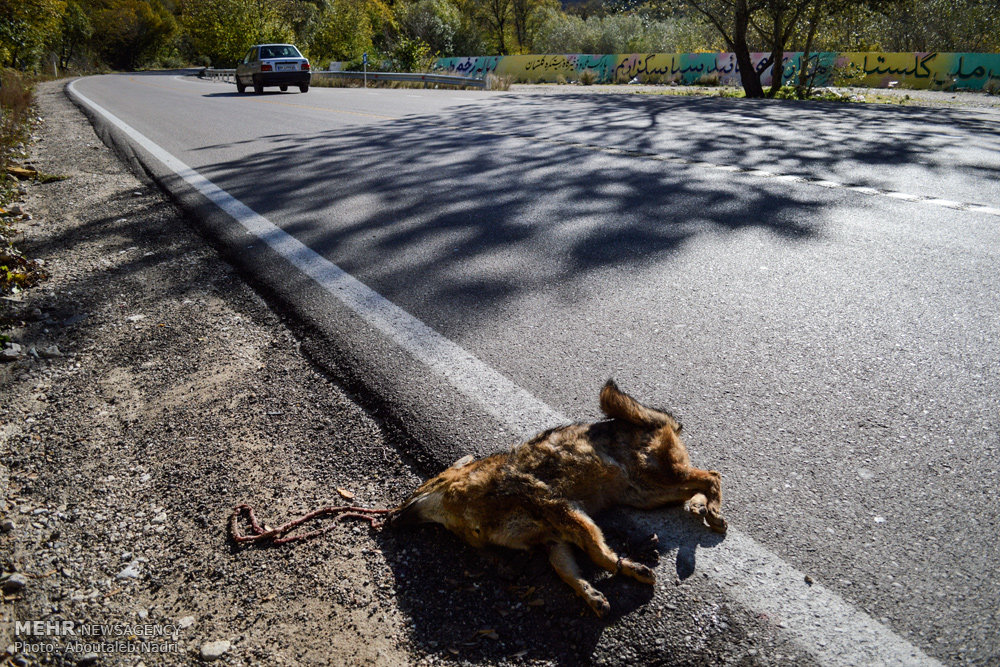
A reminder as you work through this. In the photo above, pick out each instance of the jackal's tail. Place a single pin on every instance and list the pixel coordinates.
(618, 405)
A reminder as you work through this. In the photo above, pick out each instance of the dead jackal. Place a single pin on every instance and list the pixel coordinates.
(542, 492)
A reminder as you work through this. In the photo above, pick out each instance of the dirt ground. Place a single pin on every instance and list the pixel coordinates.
(153, 391)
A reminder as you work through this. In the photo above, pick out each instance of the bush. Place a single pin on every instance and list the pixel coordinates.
(494, 82)
(588, 77)
(15, 102)
(992, 87)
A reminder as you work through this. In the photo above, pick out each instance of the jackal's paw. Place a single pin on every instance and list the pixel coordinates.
(596, 600)
(716, 522)
(697, 505)
(638, 571)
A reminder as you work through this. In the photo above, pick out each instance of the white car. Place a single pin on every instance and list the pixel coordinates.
(273, 65)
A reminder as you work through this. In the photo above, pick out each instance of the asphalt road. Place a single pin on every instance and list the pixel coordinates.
(812, 289)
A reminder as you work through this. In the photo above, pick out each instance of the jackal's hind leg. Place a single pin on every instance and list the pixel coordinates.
(561, 557)
(580, 529)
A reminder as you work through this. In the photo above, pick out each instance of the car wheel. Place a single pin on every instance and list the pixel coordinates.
(258, 87)
(240, 86)
(282, 88)
(304, 88)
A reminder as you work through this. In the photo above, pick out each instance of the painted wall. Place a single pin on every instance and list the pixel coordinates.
(878, 70)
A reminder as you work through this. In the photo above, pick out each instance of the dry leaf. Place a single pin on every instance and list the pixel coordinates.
(344, 493)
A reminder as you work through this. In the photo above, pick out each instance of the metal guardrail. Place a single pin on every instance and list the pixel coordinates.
(229, 76)
(439, 79)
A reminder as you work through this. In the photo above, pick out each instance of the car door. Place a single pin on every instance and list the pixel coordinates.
(244, 69)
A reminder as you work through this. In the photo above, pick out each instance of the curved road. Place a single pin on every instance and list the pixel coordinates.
(811, 288)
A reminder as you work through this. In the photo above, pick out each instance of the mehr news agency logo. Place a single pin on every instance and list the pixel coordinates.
(38, 637)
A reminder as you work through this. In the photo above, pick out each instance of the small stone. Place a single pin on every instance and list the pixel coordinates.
(212, 651)
(11, 352)
(88, 659)
(50, 352)
(135, 318)
(7, 525)
(15, 582)
(185, 623)
(131, 571)
(160, 518)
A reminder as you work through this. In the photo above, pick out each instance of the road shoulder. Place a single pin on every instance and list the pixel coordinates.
(155, 391)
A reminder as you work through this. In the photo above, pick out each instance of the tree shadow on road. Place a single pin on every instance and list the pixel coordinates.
(461, 210)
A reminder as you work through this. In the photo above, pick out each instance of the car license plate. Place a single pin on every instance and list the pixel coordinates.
(287, 67)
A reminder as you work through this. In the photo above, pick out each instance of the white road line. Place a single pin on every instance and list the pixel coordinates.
(815, 618)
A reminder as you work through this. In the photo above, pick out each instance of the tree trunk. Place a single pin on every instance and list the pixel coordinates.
(748, 73)
(777, 52)
(806, 78)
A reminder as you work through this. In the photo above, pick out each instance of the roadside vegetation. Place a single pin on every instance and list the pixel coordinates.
(58, 36)
(17, 272)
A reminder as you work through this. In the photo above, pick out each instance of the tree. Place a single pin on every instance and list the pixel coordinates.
(436, 23)
(74, 33)
(26, 26)
(732, 19)
(497, 14)
(526, 15)
(349, 28)
(223, 30)
(133, 32)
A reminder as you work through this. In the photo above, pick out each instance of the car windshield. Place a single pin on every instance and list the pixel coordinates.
(279, 51)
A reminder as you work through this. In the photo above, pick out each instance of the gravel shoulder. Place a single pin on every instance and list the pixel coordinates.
(166, 392)
(155, 390)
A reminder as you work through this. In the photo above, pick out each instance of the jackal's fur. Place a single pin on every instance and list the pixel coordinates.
(542, 492)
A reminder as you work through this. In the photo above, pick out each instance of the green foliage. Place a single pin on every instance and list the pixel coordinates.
(26, 26)
(410, 55)
(223, 30)
(75, 32)
(623, 33)
(348, 28)
(436, 23)
(133, 32)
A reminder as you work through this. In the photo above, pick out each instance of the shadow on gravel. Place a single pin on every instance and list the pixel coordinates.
(488, 605)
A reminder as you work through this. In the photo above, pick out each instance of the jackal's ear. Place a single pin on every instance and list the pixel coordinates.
(464, 461)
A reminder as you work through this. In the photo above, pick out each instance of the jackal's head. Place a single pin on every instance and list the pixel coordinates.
(426, 504)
